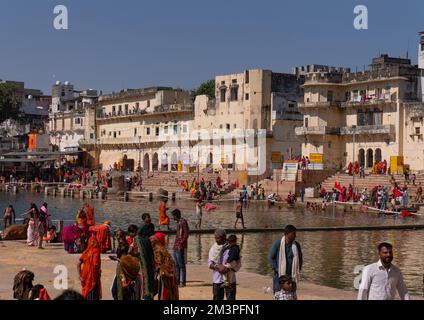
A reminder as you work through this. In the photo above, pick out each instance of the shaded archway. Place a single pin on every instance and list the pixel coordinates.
(174, 162)
(370, 158)
(210, 160)
(377, 156)
(155, 163)
(164, 162)
(146, 162)
(186, 161)
(361, 158)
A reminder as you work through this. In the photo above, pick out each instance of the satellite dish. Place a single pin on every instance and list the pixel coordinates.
(58, 83)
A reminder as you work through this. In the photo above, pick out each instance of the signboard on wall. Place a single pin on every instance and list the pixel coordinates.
(276, 157)
(316, 158)
(396, 165)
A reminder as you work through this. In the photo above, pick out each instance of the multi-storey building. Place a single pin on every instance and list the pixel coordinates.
(159, 127)
(362, 116)
(67, 113)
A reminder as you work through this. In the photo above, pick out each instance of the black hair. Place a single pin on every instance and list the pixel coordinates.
(132, 228)
(232, 237)
(70, 295)
(122, 249)
(35, 292)
(289, 229)
(176, 213)
(284, 279)
(145, 215)
(384, 245)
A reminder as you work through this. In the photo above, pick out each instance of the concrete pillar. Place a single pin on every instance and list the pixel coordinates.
(151, 161)
(101, 195)
(60, 226)
(72, 193)
(15, 190)
(82, 194)
(62, 192)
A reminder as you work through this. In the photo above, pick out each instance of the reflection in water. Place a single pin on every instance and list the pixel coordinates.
(330, 257)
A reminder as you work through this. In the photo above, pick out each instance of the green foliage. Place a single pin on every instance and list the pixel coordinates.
(9, 102)
(207, 88)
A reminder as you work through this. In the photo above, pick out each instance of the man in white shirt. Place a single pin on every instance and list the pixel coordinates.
(382, 279)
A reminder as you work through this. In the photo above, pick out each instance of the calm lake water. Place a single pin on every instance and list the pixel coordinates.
(330, 257)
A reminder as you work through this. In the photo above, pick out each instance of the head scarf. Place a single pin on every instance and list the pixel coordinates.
(161, 237)
(130, 267)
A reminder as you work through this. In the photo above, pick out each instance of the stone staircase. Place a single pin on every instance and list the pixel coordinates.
(371, 181)
(168, 180)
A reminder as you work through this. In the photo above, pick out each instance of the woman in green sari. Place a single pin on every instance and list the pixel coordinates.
(142, 249)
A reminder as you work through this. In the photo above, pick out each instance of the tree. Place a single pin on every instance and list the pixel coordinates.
(9, 102)
(207, 88)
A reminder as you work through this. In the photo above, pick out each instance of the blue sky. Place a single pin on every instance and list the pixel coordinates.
(112, 45)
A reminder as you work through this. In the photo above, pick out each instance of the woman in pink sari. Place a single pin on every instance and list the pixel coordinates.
(349, 193)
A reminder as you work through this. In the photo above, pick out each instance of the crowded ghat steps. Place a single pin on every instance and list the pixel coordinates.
(168, 181)
(372, 180)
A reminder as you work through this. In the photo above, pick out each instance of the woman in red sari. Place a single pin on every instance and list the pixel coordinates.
(103, 236)
(349, 168)
(356, 168)
(89, 213)
(90, 272)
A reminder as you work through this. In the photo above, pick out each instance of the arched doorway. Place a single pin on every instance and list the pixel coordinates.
(174, 162)
(377, 155)
(210, 160)
(370, 158)
(164, 162)
(186, 161)
(155, 163)
(146, 162)
(361, 158)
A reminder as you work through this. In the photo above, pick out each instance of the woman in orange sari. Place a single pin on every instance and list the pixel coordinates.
(90, 272)
(163, 218)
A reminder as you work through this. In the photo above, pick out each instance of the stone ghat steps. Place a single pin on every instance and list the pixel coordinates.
(371, 181)
(168, 180)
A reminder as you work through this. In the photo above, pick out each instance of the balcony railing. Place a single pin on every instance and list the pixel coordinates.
(366, 102)
(371, 129)
(326, 104)
(139, 112)
(129, 140)
(320, 130)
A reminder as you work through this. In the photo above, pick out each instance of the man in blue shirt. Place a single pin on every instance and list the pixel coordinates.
(286, 261)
